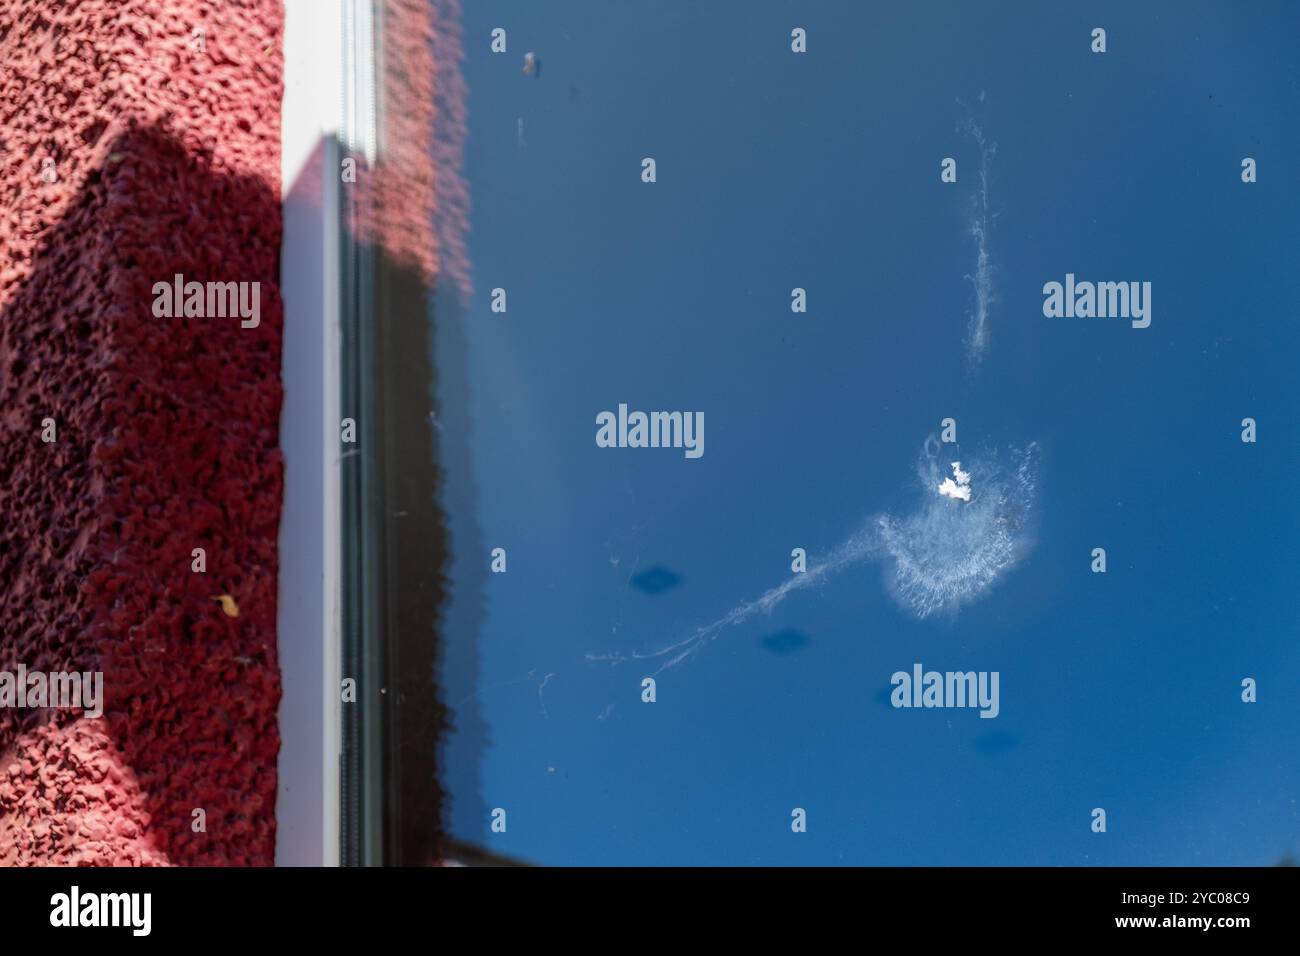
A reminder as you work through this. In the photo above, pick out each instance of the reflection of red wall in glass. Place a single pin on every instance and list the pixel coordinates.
(165, 159)
(415, 203)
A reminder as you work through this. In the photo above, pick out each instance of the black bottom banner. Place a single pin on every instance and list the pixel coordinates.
(334, 906)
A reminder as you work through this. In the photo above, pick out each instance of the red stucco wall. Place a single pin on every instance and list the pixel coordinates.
(167, 161)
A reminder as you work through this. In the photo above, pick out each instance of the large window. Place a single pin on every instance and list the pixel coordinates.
(733, 485)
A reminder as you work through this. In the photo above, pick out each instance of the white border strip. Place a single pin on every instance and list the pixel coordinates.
(307, 799)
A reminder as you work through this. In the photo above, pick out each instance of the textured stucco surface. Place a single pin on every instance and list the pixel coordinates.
(167, 161)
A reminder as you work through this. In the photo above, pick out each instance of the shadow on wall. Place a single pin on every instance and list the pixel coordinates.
(167, 442)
